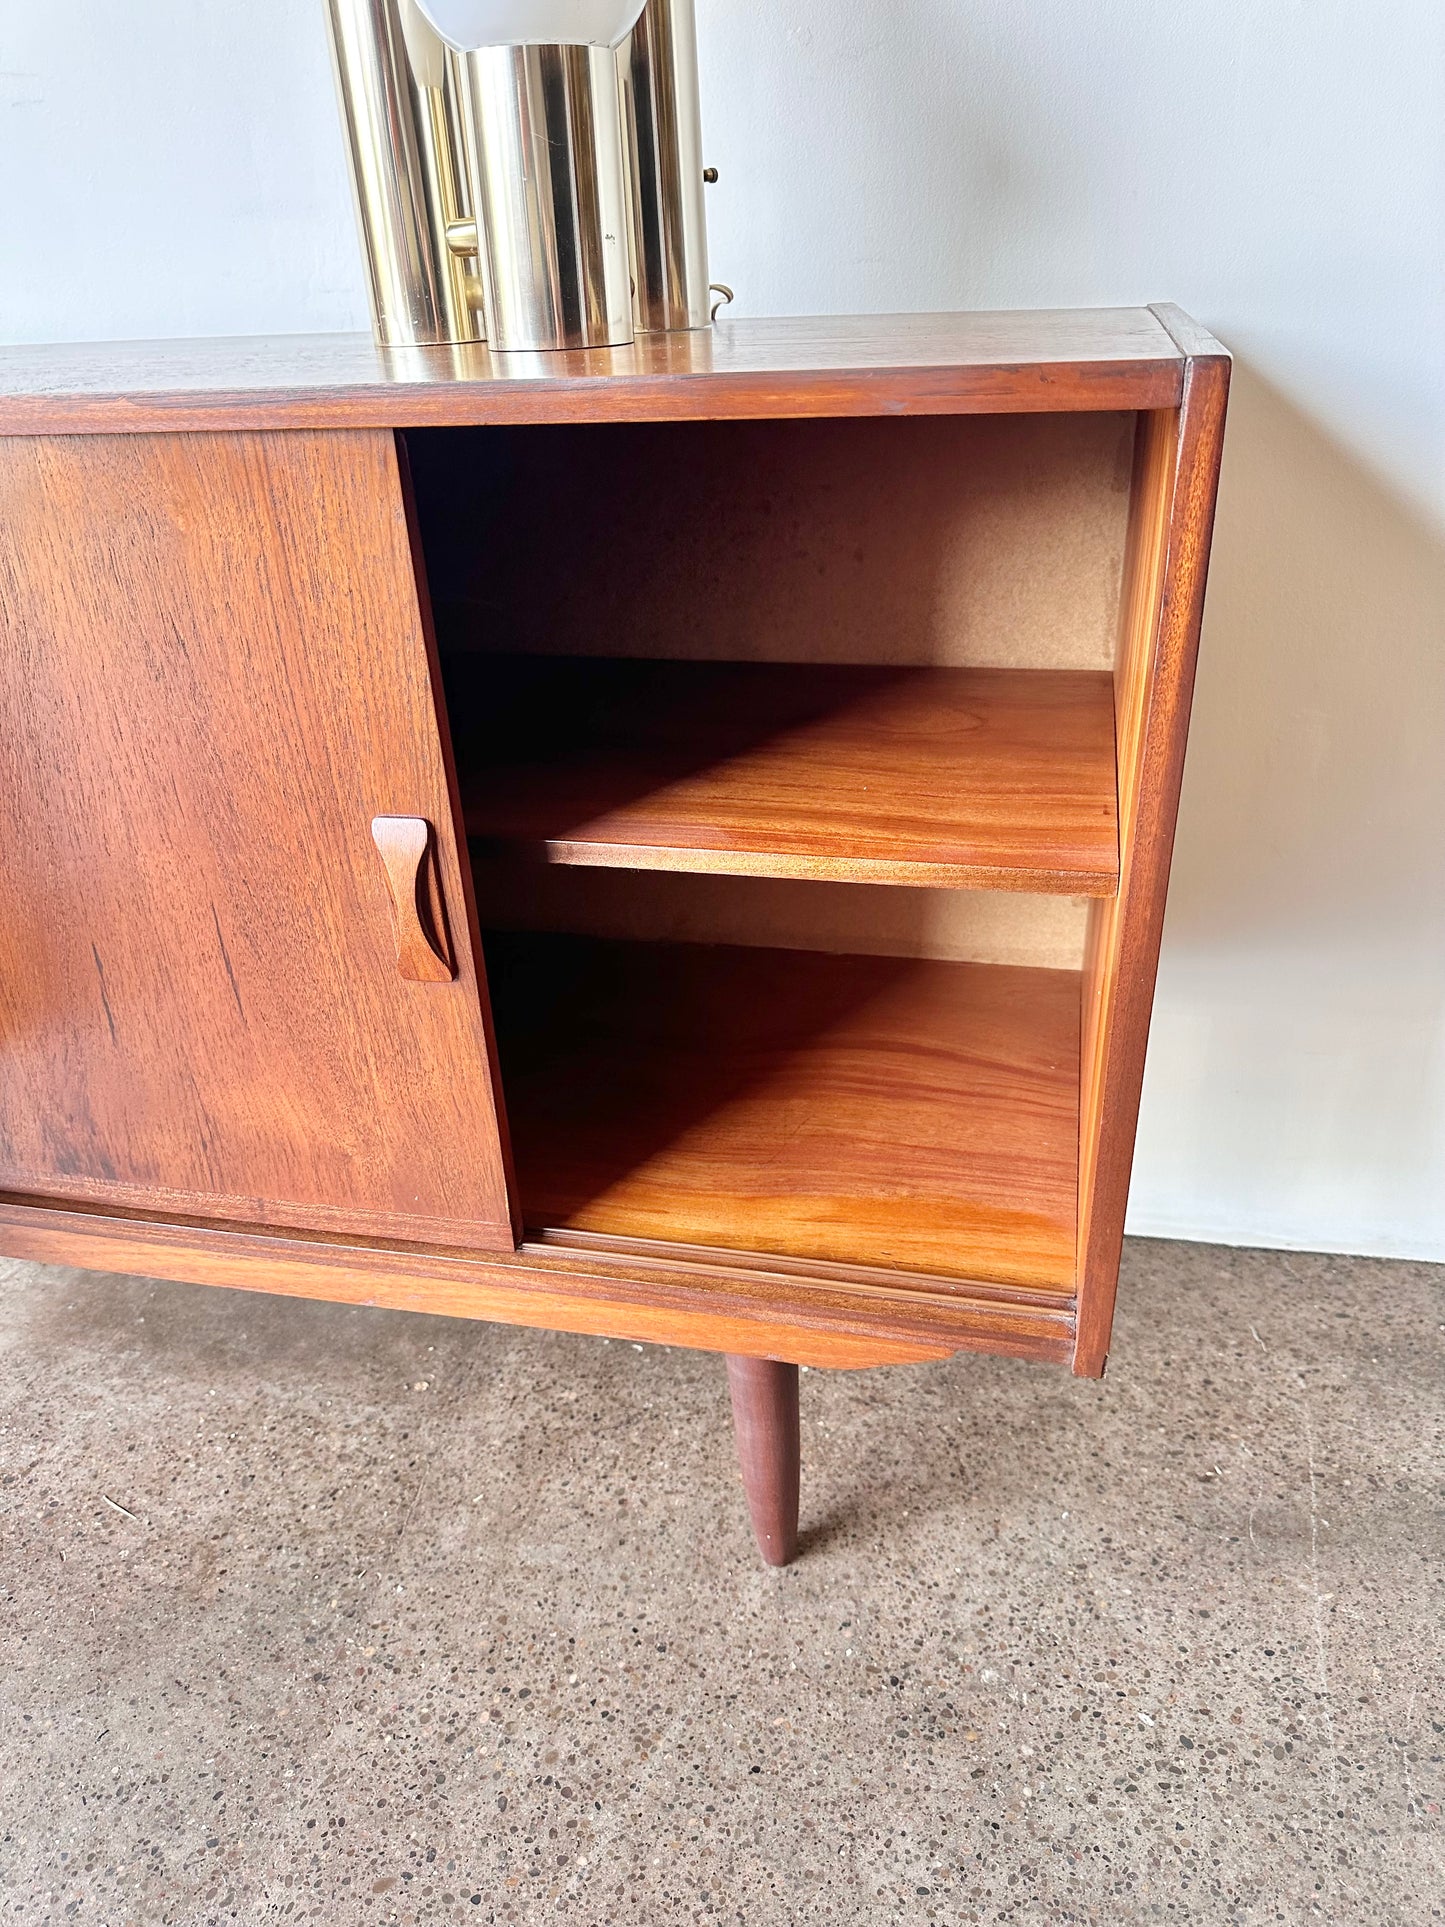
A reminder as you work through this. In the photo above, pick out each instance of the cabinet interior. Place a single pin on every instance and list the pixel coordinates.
(786, 753)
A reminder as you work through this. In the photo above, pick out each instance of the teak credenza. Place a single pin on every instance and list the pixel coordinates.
(668, 842)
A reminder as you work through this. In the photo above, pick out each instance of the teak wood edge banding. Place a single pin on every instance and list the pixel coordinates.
(704, 1307)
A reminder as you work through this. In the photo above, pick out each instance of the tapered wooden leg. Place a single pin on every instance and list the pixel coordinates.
(765, 1418)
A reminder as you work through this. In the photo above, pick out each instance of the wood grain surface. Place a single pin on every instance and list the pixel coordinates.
(954, 777)
(1038, 359)
(916, 1117)
(216, 675)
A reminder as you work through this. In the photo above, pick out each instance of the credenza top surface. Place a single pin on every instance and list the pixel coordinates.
(1038, 360)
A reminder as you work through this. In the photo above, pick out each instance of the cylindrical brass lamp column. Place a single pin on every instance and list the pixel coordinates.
(657, 66)
(397, 81)
(545, 132)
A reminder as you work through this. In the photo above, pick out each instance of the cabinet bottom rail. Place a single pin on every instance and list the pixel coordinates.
(824, 1321)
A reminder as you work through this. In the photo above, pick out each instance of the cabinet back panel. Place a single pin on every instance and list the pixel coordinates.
(992, 540)
(876, 920)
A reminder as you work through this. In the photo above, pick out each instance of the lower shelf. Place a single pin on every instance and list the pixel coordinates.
(911, 1116)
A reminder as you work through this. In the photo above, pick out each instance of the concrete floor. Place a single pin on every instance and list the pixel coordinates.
(411, 1620)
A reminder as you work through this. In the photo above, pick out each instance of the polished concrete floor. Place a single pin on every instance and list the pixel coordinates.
(318, 1614)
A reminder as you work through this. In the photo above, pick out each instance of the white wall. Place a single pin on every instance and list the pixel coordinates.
(174, 167)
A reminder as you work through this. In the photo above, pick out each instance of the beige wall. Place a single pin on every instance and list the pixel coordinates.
(1296, 1082)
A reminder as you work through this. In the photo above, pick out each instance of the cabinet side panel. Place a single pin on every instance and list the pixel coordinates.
(1171, 520)
(215, 678)
(1155, 450)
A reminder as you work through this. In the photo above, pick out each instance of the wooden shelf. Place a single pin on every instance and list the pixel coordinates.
(920, 1117)
(993, 778)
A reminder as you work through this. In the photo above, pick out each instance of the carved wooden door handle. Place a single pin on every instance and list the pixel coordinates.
(407, 856)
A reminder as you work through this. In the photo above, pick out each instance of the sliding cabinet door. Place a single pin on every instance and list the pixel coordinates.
(238, 977)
